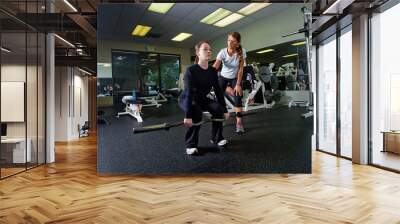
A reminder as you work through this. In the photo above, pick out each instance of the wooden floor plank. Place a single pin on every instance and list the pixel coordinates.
(70, 191)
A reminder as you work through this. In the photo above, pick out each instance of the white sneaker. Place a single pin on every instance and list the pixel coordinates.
(221, 143)
(191, 151)
(239, 129)
(272, 104)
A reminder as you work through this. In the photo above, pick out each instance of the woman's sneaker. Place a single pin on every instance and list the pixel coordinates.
(191, 151)
(221, 143)
(239, 128)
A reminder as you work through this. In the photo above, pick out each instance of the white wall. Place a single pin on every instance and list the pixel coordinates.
(33, 125)
(79, 117)
(12, 101)
(17, 72)
(268, 31)
(14, 72)
(61, 103)
(70, 83)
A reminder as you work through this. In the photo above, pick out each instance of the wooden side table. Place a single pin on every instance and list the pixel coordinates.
(391, 141)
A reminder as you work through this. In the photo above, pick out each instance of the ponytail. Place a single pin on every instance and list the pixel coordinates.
(239, 51)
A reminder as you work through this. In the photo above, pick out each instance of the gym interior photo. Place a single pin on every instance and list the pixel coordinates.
(141, 77)
(142, 111)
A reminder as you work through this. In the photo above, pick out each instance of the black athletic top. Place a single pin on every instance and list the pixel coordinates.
(198, 84)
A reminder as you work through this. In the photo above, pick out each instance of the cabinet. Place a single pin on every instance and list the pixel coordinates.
(391, 141)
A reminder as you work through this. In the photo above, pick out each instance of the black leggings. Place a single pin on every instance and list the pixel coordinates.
(224, 83)
(217, 112)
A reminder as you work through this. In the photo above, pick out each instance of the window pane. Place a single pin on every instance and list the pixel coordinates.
(346, 93)
(385, 87)
(149, 77)
(124, 81)
(169, 69)
(327, 96)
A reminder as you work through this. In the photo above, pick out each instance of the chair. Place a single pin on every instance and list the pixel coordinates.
(84, 130)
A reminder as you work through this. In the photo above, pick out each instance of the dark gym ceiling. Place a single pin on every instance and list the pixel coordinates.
(117, 22)
(80, 27)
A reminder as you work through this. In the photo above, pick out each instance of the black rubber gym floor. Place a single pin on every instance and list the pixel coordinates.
(276, 141)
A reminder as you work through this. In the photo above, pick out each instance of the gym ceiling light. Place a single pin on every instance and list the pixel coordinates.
(84, 71)
(104, 64)
(337, 7)
(182, 36)
(299, 43)
(253, 7)
(141, 30)
(289, 55)
(65, 41)
(265, 51)
(160, 7)
(5, 50)
(216, 16)
(228, 20)
(70, 5)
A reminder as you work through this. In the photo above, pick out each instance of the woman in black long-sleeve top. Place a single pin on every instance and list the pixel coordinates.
(199, 79)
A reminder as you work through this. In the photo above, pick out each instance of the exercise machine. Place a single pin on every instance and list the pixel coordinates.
(134, 104)
(266, 72)
(249, 103)
(255, 85)
(131, 108)
(154, 100)
(172, 93)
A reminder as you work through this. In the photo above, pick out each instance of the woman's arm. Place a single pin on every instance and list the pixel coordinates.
(219, 93)
(216, 64)
(188, 85)
(240, 73)
(242, 63)
(239, 76)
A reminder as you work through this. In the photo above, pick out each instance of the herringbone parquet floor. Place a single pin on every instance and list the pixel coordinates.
(70, 191)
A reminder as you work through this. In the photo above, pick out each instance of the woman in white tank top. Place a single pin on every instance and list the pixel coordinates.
(232, 59)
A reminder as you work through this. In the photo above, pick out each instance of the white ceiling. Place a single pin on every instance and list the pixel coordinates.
(116, 21)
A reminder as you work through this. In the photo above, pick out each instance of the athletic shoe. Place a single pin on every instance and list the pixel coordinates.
(271, 104)
(191, 151)
(239, 129)
(221, 143)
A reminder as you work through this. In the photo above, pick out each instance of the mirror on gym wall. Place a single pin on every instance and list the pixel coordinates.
(283, 70)
(203, 88)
